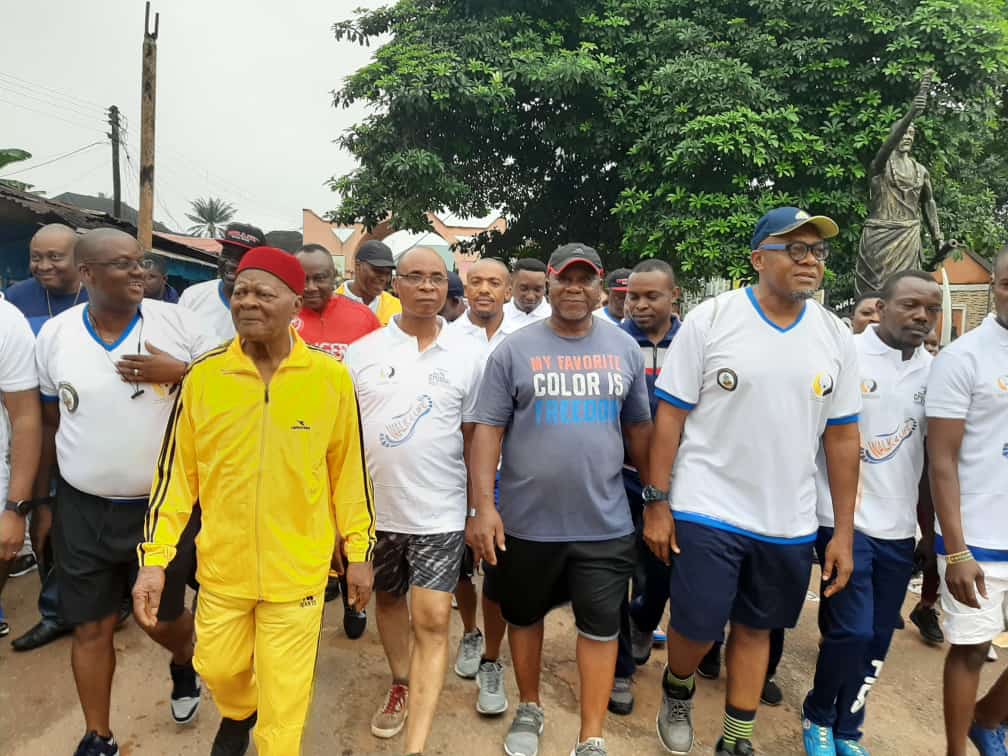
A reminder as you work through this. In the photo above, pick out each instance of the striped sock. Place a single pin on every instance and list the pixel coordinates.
(738, 725)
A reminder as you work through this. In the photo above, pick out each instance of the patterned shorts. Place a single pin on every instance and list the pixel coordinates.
(425, 561)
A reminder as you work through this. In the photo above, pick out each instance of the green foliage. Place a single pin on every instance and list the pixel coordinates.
(667, 127)
(209, 216)
(10, 155)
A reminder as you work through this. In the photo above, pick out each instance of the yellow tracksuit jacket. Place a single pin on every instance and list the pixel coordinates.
(275, 469)
(388, 305)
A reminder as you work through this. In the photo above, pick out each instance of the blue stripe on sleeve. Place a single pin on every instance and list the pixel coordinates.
(847, 420)
(675, 401)
(49, 399)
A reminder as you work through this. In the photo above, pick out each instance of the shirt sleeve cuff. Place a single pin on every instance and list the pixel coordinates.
(675, 401)
(154, 555)
(845, 420)
(358, 550)
(49, 399)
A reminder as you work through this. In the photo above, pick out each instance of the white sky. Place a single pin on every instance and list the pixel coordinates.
(243, 105)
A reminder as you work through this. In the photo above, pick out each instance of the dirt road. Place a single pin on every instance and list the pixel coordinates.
(39, 713)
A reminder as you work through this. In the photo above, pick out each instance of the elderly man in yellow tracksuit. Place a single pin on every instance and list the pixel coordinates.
(265, 436)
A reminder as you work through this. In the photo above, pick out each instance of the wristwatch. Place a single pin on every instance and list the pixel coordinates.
(650, 494)
(471, 513)
(22, 507)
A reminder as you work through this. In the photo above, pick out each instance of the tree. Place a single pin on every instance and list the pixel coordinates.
(10, 155)
(666, 127)
(209, 216)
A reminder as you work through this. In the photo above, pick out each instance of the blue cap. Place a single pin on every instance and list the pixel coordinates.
(784, 220)
(455, 286)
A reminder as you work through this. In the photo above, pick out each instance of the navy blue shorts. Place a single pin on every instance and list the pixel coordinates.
(722, 576)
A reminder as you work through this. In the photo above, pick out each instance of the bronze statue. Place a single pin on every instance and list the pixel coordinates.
(900, 187)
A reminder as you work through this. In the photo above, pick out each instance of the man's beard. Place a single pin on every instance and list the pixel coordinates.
(802, 295)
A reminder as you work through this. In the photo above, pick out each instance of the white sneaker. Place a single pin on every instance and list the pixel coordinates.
(470, 652)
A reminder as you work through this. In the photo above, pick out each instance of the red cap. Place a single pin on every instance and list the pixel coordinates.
(281, 264)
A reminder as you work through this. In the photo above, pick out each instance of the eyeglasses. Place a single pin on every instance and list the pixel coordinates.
(415, 279)
(798, 251)
(319, 278)
(124, 263)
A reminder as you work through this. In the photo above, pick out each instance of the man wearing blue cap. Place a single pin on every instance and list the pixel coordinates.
(455, 304)
(753, 382)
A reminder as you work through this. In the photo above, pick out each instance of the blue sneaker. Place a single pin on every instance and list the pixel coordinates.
(818, 740)
(658, 637)
(988, 742)
(850, 748)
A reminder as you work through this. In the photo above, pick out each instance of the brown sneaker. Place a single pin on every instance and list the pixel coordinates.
(390, 718)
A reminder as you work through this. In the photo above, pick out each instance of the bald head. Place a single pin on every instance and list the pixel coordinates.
(51, 259)
(419, 256)
(101, 243)
(485, 264)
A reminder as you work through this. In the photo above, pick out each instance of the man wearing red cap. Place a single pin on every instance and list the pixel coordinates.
(616, 286)
(211, 299)
(265, 434)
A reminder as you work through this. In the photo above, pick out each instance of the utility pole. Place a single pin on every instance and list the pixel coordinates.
(113, 119)
(148, 96)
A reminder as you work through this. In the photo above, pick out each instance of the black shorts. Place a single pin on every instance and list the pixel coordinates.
(533, 577)
(95, 542)
(721, 575)
(429, 561)
(468, 567)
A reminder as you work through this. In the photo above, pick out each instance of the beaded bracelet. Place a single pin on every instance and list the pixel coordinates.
(959, 556)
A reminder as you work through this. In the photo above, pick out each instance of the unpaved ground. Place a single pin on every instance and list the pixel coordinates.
(39, 713)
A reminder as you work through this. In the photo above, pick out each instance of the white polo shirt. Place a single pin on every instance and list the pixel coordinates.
(107, 443)
(969, 381)
(893, 426)
(475, 335)
(517, 319)
(759, 398)
(17, 373)
(206, 300)
(412, 406)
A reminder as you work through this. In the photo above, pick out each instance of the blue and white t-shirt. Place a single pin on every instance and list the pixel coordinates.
(17, 373)
(893, 427)
(212, 309)
(759, 398)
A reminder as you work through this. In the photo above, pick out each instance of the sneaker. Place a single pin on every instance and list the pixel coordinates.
(490, 682)
(390, 718)
(332, 589)
(710, 665)
(675, 722)
(926, 619)
(992, 655)
(621, 699)
(354, 623)
(988, 742)
(771, 694)
(818, 740)
(4, 628)
(591, 747)
(658, 638)
(185, 694)
(232, 737)
(742, 748)
(523, 736)
(640, 643)
(850, 748)
(23, 564)
(94, 744)
(470, 653)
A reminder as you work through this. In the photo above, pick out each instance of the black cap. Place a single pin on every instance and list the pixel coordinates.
(243, 235)
(618, 280)
(375, 253)
(572, 253)
(455, 286)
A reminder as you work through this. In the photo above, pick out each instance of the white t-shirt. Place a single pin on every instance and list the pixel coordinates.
(517, 319)
(759, 398)
(213, 311)
(969, 381)
(17, 373)
(893, 427)
(412, 408)
(107, 443)
(475, 335)
(602, 313)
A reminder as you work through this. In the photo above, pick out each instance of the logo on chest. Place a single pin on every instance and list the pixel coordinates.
(401, 428)
(727, 379)
(884, 446)
(438, 377)
(869, 386)
(1002, 384)
(68, 396)
(822, 385)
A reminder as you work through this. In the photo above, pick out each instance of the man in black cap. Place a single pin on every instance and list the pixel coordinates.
(455, 304)
(373, 266)
(559, 398)
(616, 284)
(211, 300)
(156, 284)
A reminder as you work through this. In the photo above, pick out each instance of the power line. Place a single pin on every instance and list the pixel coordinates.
(56, 92)
(70, 184)
(62, 106)
(55, 159)
(78, 124)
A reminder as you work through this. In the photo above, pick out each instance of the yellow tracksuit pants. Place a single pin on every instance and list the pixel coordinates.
(257, 656)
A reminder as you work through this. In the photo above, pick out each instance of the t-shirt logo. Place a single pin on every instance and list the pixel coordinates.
(885, 445)
(68, 396)
(1002, 384)
(401, 428)
(438, 377)
(822, 385)
(388, 372)
(869, 386)
(727, 379)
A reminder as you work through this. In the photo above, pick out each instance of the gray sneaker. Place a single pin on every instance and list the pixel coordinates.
(470, 651)
(621, 699)
(490, 681)
(591, 747)
(523, 737)
(742, 748)
(640, 643)
(675, 723)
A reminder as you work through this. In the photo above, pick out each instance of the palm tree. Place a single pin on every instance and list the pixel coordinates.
(209, 216)
(10, 155)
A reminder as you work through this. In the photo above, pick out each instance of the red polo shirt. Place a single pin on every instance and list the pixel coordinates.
(341, 323)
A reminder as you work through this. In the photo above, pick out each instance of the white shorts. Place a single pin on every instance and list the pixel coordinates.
(966, 626)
